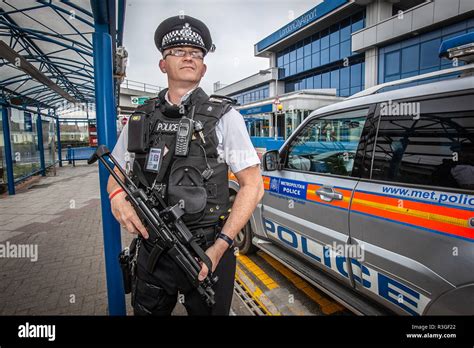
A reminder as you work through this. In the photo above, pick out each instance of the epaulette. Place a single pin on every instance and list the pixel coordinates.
(216, 98)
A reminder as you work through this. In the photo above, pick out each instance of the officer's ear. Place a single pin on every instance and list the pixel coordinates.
(162, 65)
(204, 68)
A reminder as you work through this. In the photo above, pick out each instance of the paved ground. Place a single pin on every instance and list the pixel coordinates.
(61, 269)
(60, 216)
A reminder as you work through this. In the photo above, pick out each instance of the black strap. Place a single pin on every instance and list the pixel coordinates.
(157, 251)
(201, 254)
(226, 238)
(154, 256)
(137, 170)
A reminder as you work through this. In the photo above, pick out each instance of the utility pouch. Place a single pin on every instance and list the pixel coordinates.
(139, 129)
(126, 260)
(186, 187)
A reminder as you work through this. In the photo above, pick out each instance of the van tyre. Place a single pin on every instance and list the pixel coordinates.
(243, 240)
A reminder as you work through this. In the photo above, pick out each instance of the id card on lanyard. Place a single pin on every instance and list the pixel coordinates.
(153, 162)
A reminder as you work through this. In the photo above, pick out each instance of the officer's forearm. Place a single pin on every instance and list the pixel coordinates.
(112, 185)
(244, 205)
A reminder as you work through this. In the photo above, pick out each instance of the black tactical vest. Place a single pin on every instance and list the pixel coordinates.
(183, 180)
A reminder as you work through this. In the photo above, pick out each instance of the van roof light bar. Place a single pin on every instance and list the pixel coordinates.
(460, 47)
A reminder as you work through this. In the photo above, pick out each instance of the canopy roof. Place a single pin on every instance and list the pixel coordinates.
(46, 55)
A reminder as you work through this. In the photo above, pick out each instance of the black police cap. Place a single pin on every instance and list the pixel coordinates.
(183, 31)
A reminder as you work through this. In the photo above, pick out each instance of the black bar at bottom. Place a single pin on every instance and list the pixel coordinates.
(428, 331)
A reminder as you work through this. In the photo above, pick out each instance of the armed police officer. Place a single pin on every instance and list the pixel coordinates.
(180, 145)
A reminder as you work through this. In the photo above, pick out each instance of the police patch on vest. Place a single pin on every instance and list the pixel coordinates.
(170, 127)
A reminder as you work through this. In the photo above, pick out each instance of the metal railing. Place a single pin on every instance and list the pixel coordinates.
(141, 86)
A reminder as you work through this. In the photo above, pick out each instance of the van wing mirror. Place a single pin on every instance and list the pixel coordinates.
(271, 160)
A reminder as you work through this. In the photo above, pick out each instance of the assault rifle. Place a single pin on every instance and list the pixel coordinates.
(167, 228)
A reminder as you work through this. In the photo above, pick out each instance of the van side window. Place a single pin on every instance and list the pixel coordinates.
(435, 147)
(328, 144)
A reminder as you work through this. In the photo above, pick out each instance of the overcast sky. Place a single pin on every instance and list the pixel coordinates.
(235, 27)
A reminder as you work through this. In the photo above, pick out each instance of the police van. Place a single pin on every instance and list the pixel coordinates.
(372, 199)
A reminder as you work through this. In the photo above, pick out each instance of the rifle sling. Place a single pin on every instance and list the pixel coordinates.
(155, 254)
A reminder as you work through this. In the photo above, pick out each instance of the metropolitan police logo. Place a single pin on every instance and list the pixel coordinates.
(274, 184)
(186, 30)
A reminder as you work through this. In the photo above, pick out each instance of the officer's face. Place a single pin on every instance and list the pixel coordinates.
(183, 69)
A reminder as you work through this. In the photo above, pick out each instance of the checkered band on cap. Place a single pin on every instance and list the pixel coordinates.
(181, 36)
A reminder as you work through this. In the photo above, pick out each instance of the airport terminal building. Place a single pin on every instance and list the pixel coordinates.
(339, 48)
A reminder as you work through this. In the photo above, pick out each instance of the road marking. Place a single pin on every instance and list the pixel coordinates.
(263, 277)
(258, 272)
(327, 306)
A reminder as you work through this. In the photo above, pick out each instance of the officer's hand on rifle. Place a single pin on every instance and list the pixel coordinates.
(126, 215)
(215, 253)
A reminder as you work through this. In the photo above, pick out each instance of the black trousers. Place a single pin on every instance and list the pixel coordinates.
(158, 291)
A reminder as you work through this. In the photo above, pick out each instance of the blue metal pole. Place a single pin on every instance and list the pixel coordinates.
(107, 135)
(8, 150)
(39, 130)
(58, 136)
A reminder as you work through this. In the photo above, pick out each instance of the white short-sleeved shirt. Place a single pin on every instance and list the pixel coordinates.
(234, 144)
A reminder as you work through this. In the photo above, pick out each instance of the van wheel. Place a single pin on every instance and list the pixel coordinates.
(243, 240)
